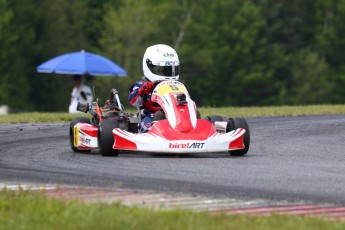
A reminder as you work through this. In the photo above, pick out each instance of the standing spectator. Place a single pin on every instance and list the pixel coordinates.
(80, 93)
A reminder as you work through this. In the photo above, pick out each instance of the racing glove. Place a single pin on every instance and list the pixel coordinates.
(146, 88)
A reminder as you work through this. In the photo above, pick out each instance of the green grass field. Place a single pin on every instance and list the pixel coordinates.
(29, 210)
(224, 111)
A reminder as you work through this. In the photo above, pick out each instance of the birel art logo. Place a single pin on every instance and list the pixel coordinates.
(84, 140)
(186, 146)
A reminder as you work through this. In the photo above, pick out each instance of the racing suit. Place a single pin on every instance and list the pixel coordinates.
(142, 99)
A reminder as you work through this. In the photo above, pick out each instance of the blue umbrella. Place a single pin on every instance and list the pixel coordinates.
(82, 63)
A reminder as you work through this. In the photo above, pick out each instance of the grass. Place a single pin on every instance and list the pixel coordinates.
(223, 111)
(38, 117)
(32, 210)
(274, 110)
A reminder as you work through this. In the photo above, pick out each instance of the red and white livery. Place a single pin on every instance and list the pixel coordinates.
(176, 129)
(181, 131)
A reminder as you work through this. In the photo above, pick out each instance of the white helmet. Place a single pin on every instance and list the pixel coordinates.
(160, 62)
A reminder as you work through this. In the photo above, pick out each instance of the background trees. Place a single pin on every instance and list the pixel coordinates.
(233, 52)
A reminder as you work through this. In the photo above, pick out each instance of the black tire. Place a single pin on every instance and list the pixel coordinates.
(236, 123)
(106, 137)
(213, 118)
(71, 132)
(198, 115)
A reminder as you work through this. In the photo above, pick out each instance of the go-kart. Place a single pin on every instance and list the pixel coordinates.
(176, 128)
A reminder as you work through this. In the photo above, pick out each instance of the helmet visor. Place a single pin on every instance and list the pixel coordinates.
(167, 70)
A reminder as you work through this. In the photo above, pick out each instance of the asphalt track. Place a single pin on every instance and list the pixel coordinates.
(290, 158)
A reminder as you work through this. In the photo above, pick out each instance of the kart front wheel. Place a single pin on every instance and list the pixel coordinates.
(236, 123)
(71, 132)
(106, 137)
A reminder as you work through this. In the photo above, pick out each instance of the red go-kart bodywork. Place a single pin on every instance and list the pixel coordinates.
(179, 131)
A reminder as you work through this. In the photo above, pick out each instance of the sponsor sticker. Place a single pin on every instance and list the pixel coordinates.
(168, 63)
(187, 145)
(168, 55)
(85, 140)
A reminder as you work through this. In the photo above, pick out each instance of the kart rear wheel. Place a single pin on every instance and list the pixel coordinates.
(213, 118)
(236, 123)
(198, 115)
(106, 137)
(71, 132)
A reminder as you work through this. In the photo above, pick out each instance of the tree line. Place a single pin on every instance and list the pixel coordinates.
(232, 52)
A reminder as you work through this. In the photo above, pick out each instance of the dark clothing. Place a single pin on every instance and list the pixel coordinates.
(147, 107)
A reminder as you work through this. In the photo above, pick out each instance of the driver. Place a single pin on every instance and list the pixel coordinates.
(160, 63)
